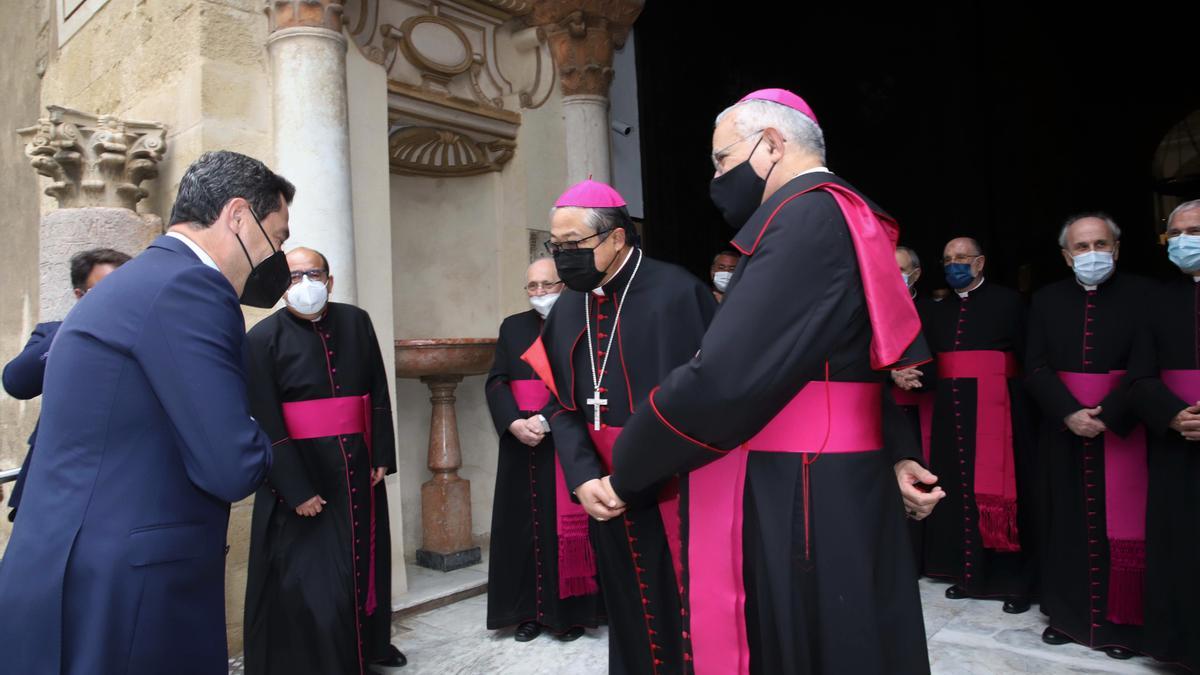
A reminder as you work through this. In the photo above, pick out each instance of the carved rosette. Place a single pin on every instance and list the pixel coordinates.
(94, 160)
(283, 14)
(582, 36)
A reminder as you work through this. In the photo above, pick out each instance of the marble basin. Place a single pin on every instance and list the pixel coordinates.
(444, 356)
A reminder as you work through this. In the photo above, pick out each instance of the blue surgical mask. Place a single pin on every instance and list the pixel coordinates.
(1184, 251)
(959, 275)
(906, 277)
(1093, 267)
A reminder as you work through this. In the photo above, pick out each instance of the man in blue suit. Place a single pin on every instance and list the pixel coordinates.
(23, 375)
(117, 562)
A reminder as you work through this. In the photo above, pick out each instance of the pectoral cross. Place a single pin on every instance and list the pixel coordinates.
(596, 402)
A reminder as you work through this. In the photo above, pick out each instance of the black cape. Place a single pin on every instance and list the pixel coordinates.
(1170, 341)
(1075, 330)
(794, 309)
(993, 318)
(523, 560)
(666, 313)
(307, 585)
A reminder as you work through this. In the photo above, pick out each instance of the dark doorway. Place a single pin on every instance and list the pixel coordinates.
(972, 118)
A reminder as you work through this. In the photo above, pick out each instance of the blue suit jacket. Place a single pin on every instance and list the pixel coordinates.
(23, 380)
(117, 563)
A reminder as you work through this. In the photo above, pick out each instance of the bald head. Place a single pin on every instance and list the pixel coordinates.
(963, 251)
(965, 246)
(307, 258)
(541, 277)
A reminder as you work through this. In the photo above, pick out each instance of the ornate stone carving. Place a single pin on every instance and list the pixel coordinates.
(283, 14)
(425, 151)
(582, 35)
(94, 160)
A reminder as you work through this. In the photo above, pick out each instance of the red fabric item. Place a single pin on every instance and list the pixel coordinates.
(995, 469)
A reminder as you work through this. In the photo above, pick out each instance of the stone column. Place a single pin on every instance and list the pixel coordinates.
(312, 135)
(96, 164)
(582, 35)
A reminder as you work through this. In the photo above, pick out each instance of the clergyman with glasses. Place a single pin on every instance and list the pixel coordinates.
(318, 598)
(531, 582)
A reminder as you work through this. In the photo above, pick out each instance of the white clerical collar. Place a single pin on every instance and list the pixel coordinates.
(200, 253)
(1196, 278)
(600, 290)
(815, 169)
(964, 294)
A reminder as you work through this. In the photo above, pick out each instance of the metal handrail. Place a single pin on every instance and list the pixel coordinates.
(9, 475)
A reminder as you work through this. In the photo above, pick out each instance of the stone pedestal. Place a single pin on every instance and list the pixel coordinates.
(446, 497)
(446, 542)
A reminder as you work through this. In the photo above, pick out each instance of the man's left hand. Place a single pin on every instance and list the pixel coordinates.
(917, 503)
(378, 474)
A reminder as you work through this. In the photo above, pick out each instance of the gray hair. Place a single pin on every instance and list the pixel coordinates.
(796, 127)
(912, 256)
(1183, 208)
(1112, 225)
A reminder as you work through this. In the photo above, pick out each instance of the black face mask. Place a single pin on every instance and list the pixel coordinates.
(577, 269)
(738, 193)
(269, 279)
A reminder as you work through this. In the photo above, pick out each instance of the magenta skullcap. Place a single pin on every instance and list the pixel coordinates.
(590, 194)
(782, 97)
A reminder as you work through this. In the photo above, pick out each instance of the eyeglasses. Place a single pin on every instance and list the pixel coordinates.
(314, 274)
(719, 156)
(555, 247)
(534, 286)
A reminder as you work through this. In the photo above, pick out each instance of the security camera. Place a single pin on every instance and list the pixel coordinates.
(621, 127)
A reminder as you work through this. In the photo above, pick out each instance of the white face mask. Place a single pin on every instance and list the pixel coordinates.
(721, 280)
(543, 303)
(308, 296)
(1093, 267)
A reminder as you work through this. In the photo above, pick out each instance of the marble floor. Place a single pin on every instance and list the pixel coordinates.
(966, 637)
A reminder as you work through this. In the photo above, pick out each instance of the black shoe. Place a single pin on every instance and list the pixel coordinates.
(956, 592)
(1018, 605)
(395, 659)
(1053, 637)
(527, 631)
(1119, 653)
(571, 634)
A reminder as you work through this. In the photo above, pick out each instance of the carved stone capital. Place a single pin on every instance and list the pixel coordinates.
(305, 14)
(582, 35)
(94, 160)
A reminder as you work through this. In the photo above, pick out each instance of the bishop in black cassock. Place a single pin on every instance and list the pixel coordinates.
(318, 596)
(1165, 390)
(982, 538)
(526, 586)
(625, 321)
(796, 556)
(1081, 333)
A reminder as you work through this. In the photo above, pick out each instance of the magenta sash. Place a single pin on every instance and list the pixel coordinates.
(995, 468)
(825, 417)
(325, 417)
(1125, 486)
(668, 498)
(923, 402)
(1183, 383)
(531, 395)
(576, 559)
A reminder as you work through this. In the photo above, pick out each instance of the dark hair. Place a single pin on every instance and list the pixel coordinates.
(211, 181)
(83, 262)
(604, 219)
(726, 252)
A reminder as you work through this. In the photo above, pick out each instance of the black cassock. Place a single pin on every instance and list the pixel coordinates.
(991, 318)
(795, 313)
(523, 562)
(917, 406)
(309, 577)
(665, 313)
(1170, 342)
(1075, 330)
